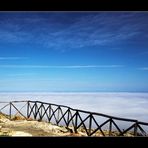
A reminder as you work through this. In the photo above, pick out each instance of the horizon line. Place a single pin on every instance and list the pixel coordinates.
(74, 91)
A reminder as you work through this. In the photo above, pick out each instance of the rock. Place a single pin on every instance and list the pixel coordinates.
(20, 133)
(5, 130)
(3, 120)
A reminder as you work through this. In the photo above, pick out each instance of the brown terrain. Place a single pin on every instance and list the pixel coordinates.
(18, 126)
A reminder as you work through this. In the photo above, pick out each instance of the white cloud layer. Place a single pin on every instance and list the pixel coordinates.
(126, 105)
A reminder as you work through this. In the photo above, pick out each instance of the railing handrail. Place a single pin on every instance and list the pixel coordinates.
(14, 101)
(88, 112)
(94, 113)
(39, 105)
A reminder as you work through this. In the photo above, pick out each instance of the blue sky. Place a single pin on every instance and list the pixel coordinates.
(73, 51)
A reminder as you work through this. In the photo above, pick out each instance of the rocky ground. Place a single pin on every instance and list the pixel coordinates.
(21, 127)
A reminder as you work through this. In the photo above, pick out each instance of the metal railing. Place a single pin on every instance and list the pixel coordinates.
(91, 123)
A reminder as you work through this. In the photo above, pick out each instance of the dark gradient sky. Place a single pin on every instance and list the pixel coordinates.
(73, 51)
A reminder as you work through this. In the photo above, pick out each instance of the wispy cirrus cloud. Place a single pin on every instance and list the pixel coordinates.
(99, 29)
(143, 68)
(144, 53)
(62, 67)
(20, 74)
(30, 79)
(13, 58)
(76, 31)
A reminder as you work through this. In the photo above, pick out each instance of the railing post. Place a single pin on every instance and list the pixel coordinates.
(49, 112)
(110, 127)
(41, 111)
(35, 111)
(135, 128)
(58, 116)
(10, 111)
(90, 124)
(68, 118)
(76, 122)
(28, 104)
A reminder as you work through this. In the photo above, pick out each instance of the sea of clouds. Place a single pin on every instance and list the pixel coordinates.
(126, 105)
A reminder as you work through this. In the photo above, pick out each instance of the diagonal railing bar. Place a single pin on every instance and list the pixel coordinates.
(58, 114)
(122, 133)
(8, 117)
(68, 110)
(34, 111)
(4, 107)
(82, 122)
(70, 113)
(114, 123)
(21, 109)
(71, 119)
(68, 116)
(38, 110)
(31, 111)
(53, 114)
(18, 110)
(62, 117)
(142, 130)
(99, 127)
(41, 111)
(45, 112)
